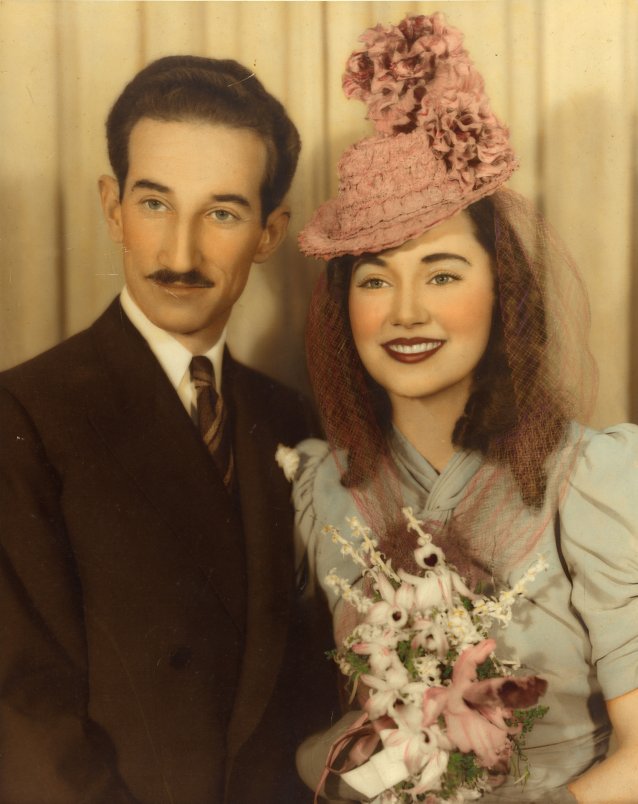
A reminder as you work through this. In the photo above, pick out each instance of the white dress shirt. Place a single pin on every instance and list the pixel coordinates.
(172, 356)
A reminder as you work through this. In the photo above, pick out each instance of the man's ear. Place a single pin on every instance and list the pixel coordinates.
(111, 207)
(273, 234)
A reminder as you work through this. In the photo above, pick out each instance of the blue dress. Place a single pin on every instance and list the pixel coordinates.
(577, 625)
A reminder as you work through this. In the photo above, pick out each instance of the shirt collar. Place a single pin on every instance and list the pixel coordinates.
(173, 357)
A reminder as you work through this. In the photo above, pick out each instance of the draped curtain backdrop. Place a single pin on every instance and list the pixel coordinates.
(561, 73)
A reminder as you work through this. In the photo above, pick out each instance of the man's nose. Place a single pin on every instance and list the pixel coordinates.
(180, 249)
(410, 307)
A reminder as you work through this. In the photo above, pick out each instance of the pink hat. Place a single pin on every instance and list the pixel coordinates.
(439, 146)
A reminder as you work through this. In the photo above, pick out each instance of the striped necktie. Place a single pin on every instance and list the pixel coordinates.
(212, 417)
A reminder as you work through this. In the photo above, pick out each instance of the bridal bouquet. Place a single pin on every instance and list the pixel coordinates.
(450, 716)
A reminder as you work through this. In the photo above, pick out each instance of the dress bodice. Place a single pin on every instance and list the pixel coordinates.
(576, 624)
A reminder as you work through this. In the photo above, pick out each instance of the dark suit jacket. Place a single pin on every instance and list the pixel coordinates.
(150, 648)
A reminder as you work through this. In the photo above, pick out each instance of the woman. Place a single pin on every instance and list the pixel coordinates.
(446, 346)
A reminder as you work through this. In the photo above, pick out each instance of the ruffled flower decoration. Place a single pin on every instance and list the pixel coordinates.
(418, 75)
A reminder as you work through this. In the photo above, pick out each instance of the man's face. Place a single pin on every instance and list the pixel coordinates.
(190, 223)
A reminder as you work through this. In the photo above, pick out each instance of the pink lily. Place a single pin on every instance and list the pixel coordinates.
(475, 711)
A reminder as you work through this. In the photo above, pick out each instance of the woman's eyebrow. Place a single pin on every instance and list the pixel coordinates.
(444, 255)
(370, 259)
(428, 259)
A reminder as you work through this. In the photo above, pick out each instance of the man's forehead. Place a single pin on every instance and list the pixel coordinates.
(181, 153)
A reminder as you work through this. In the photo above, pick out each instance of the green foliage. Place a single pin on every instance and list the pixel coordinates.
(467, 603)
(408, 654)
(358, 664)
(446, 669)
(488, 669)
(527, 717)
(462, 770)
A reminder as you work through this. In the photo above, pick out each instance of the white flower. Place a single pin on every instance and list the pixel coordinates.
(380, 653)
(385, 688)
(395, 606)
(500, 610)
(430, 591)
(353, 596)
(430, 778)
(460, 627)
(431, 636)
(288, 461)
(428, 668)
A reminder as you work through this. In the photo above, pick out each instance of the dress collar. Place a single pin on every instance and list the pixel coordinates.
(427, 490)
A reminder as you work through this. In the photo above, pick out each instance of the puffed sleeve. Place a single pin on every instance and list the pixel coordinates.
(319, 500)
(311, 453)
(599, 541)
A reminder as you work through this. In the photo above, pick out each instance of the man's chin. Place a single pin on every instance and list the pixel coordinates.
(197, 334)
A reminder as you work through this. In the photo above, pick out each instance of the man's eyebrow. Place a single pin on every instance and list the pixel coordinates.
(233, 198)
(147, 184)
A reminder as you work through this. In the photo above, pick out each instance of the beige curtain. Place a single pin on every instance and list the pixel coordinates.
(562, 73)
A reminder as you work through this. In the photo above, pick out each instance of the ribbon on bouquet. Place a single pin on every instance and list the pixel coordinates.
(367, 737)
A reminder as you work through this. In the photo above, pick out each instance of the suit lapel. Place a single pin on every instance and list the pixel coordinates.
(267, 520)
(145, 427)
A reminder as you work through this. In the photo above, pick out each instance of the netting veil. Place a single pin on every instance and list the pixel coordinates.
(543, 320)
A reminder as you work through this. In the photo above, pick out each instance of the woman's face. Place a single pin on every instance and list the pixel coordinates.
(421, 313)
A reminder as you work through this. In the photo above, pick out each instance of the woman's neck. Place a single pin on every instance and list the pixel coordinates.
(428, 422)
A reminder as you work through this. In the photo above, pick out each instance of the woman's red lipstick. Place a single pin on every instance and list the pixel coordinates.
(412, 350)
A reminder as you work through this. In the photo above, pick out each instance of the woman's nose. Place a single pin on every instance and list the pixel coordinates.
(410, 308)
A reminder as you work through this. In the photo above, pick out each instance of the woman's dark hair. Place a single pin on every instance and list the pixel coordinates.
(514, 414)
(218, 91)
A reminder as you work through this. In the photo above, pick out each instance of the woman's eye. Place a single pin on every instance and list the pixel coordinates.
(373, 283)
(443, 279)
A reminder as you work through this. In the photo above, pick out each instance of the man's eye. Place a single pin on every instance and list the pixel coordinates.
(223, 215)
(154, 204)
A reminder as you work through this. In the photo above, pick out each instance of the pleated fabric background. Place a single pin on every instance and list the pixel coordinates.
(562, 73)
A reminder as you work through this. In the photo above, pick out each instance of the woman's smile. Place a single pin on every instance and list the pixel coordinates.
(412, 350)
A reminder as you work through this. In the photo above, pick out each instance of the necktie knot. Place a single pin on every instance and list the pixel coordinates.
(202, 373)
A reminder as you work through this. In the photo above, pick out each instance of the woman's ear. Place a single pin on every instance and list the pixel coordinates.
(111, 207)
(273, 234)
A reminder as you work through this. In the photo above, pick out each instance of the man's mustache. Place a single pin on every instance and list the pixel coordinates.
(192, 277)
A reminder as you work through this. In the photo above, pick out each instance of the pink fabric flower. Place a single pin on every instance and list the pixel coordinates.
(392, 70)
(475, 711)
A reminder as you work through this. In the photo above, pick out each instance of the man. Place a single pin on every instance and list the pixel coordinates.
(147, 651)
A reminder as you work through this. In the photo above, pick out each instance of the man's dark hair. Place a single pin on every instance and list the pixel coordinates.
(218, 91)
